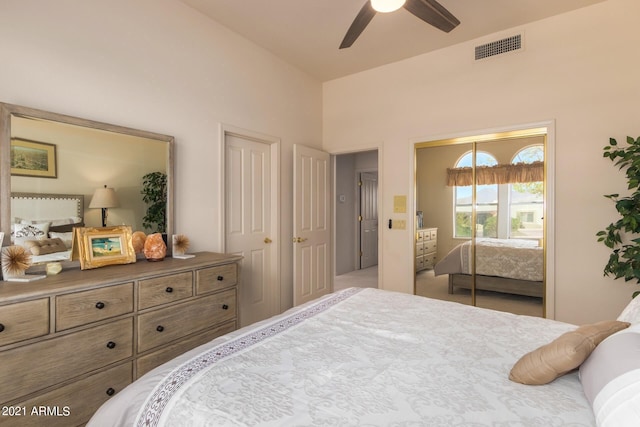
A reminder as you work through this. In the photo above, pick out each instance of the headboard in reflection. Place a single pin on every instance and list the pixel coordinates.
(88, 155)
(52, 214)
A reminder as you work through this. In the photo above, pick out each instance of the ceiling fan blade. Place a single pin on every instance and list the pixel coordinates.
(432, 12)
(363, 18)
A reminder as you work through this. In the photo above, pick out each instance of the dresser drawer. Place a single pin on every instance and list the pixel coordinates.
(430, 246)
(79, 400)
(90, 306)
(165, 289)
(168, 324)
(49, 362)
(157, 358)
(433, 234)
(214, 278)
(24, 320)
(429, 260)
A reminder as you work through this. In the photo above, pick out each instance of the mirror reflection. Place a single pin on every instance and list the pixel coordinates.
(434, 201)
(62, 166)
(486, 199)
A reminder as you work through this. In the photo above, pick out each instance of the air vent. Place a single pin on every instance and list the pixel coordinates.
(499, 47)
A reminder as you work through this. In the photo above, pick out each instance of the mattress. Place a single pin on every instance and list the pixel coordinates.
(511, 258)
(359, 357)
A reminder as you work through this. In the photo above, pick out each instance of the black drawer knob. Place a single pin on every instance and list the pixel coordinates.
(160, 328)
(99, 305)
(225, 307)
(1, 327)
(110, 391)
(111, 344)
(169, 289)
(221, 278)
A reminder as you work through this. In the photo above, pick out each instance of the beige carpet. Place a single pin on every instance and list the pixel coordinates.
(428, 285)
(365, 278)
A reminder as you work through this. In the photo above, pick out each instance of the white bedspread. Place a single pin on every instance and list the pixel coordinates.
(56, 256)
(513, 258)
(359, 357)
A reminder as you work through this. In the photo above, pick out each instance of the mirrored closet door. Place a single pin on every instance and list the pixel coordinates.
(480, 224)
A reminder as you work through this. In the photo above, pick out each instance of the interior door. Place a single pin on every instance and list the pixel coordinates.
(368, 185)
(248, 225)
(311, 224)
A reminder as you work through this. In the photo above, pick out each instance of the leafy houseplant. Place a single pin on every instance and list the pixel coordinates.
(154, 194)
(624, 261)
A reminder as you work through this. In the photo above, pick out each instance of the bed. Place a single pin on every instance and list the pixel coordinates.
(39, 218)
(513, 266)
(360, 356)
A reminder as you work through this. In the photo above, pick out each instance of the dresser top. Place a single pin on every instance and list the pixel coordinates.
(74, 279)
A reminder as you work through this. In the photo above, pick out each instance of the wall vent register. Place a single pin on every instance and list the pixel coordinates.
(499, 47)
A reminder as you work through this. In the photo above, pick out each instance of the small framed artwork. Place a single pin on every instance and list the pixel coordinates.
(99, 247)
(32, 158)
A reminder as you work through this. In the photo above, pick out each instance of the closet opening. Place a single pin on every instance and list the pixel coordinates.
(482, 220)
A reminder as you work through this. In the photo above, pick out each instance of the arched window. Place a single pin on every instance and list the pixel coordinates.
(526, 200)
(486, 201)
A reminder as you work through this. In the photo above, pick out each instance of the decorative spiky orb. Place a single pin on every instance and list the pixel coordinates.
(15, 260)
(180, 243)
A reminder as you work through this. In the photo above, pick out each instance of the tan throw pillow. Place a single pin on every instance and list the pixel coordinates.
(45, 246)
(563, 354)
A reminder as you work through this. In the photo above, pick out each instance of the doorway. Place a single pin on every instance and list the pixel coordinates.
(356, 220)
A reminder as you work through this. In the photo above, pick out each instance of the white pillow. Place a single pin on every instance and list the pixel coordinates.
(611, 379)
(631, 312)
(23, 232)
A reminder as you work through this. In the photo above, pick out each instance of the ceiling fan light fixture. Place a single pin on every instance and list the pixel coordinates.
(387, 5)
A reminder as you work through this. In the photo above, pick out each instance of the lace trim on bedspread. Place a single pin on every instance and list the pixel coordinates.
(158, 400)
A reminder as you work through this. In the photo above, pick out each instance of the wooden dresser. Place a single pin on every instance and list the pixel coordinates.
(69, 342)
(426, 248)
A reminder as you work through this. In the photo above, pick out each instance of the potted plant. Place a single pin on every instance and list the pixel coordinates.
(154, 194)
(624, 261)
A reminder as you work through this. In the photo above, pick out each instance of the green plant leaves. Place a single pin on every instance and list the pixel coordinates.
(624, 261)
(154, 194)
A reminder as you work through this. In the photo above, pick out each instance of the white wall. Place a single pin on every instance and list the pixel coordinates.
(158, 65)
(579, 69)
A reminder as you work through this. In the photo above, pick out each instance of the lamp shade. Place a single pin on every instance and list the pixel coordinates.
(387, 5)
(104, 198)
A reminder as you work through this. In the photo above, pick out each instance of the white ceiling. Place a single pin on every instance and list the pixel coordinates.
(307, 33)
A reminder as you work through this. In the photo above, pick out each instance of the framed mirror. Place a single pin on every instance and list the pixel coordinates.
(47, 154)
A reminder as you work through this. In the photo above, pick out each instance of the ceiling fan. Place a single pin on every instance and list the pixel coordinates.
(430, 11)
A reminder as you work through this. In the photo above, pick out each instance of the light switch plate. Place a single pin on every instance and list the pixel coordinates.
(399, 224)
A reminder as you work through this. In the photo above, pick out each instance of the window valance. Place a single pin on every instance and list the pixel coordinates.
(498, 174)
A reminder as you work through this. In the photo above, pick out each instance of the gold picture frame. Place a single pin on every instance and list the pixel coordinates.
(33, 158)
(99, 247)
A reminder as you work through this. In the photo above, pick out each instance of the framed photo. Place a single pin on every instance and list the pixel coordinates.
(98, 247)
(32, 158)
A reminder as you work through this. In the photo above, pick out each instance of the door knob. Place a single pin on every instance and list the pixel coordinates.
(267, 240)
(299, 239)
